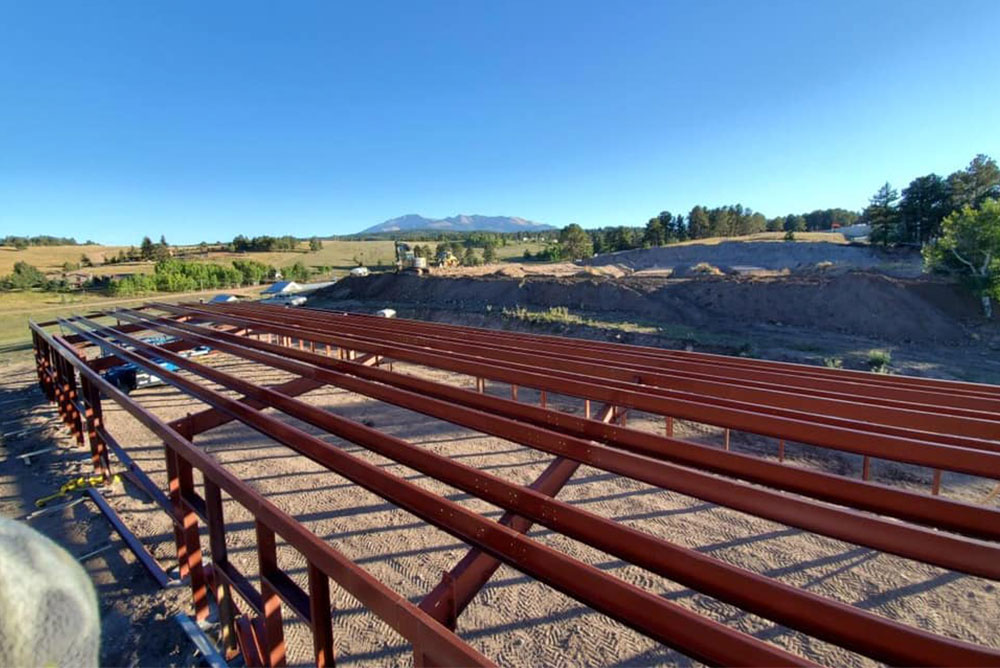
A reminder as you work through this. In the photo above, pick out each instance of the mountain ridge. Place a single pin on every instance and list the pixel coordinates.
(459, 223)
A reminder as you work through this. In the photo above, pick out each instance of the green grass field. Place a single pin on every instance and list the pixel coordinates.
(341, 255)
(52, 258)
(17, 307)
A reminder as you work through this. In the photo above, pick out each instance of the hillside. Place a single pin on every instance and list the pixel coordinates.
(854, 303)
(460, 223)
(745, 255)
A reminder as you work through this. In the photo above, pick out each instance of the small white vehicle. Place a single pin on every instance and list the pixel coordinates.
(285, 300)
(359, 271)
(386, 313)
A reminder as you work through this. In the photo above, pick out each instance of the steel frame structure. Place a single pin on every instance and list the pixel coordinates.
(939, 424)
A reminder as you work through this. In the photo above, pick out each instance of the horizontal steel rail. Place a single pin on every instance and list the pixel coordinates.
(941, 513)
(652, 615)
(677, 373)
(401, 615)
(656, 401)
(755, 593)
(842, 380)
(903, 419)
(637, 455)
(835, 382)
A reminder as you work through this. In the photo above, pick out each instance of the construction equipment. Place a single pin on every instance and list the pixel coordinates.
(407, 260)
(447, 259)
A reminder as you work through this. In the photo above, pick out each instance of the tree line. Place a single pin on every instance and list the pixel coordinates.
(169, 275)
(20, 243)
(914, 217)
(701, 222)
(173, 275)
(26, 276)
(264, 244)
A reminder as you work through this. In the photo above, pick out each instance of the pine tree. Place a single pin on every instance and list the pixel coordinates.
(489, 254)
(883, 216)
(925, 203)
(976, 183)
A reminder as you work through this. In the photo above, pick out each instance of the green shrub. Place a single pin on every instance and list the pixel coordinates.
(878, 361)
(707, 269)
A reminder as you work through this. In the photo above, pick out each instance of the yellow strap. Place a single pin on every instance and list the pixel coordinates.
(75, 485)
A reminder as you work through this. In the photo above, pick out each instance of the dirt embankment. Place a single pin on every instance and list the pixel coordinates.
(856, 303)
(745, 256)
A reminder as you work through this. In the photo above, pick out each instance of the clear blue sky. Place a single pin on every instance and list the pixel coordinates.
(202, 120)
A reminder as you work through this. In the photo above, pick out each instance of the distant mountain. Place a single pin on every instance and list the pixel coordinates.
(459, 224)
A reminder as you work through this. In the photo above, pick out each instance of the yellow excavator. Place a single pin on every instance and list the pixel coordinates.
(406, 261)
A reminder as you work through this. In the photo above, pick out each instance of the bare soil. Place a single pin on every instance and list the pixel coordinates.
(136, 616)
(874, 306)
(743, 256)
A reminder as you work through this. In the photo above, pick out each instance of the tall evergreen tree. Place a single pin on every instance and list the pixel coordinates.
(655, 233)
(882, 215)
(794, 223)
(976, 183)
(698, 223)
(667, 221)
(925, 203)
(680, 228)
(575, 243)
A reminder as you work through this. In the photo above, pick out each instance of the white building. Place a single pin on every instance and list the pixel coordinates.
(282, 288)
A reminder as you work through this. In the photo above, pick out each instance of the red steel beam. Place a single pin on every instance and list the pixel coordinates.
(633, 546)
(401, 615)
(781, 371)
(834, 382)
(913, 542)
(903, 418)
(652, 615)
(461, 584)
(651, 400)
(965, 518)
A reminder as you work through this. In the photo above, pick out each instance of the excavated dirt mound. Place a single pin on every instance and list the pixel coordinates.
(856, 303)
(773, 255)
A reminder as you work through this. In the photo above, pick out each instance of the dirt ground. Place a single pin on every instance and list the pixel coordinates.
(929, 325)
(136, 623)
(742, 256)
(522, 269)
(746, 256)
(514, 620)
